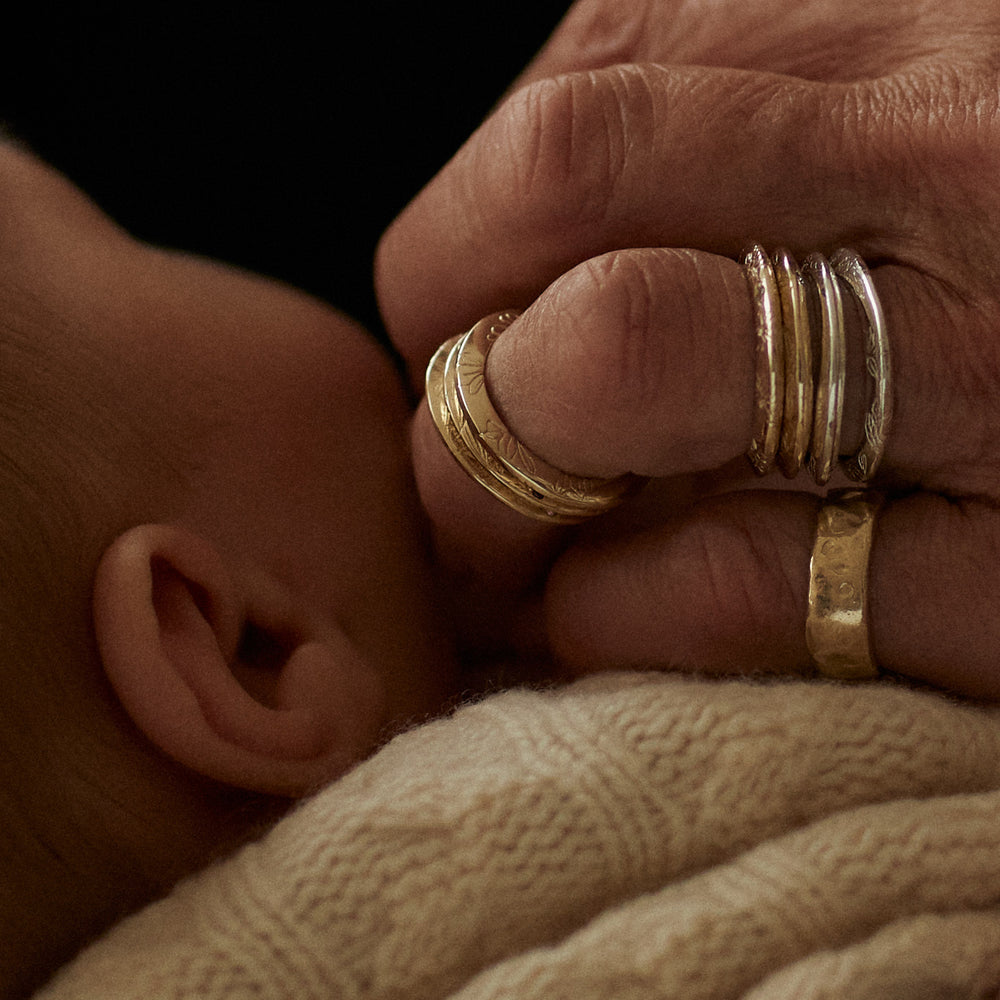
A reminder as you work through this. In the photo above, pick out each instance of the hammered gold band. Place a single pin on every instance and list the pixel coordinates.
(837, 627)
(800, 363)
(489, 452)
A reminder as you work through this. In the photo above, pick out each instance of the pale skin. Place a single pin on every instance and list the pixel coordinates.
(226, 586)
(705, 126)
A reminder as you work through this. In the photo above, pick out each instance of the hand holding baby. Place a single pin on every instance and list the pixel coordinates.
(709, 129)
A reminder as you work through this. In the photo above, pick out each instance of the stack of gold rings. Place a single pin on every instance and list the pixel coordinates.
(800, 374)
(799, 402)
(799, 395)
(483, 445)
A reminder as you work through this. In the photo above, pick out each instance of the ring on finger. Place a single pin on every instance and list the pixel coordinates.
(851, 269)
(797, 415)
(488, 451)
(837, 621)
(800, 376)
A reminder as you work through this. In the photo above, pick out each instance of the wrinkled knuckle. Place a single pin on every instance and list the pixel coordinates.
(622, 316)
(747, 588)
(566, 140)
(784, 121)
(928, 140)
(952, 124)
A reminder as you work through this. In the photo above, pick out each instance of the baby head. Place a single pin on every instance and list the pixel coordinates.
(216, 596)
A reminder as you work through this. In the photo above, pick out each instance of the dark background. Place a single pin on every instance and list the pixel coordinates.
(282, 137)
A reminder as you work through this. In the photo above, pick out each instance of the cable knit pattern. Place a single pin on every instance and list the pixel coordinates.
(627, 836)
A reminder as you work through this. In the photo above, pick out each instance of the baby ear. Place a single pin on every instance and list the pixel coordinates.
(217, 667)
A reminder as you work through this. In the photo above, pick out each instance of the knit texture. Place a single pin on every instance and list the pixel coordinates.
(627, 836)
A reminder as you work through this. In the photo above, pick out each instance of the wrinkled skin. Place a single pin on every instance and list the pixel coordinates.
(703, 126)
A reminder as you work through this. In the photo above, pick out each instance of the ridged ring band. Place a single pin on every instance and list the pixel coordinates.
(485, 447)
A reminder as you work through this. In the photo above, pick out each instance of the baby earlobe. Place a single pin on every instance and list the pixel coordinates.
(220, 670)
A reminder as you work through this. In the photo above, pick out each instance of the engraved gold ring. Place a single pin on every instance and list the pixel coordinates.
(488, 451)
(801, 367)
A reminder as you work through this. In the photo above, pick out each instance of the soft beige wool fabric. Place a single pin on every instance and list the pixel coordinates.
(625, 837)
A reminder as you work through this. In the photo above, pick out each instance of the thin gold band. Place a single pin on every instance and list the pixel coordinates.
(450, 433)
(851, 269)
(797, 418)
(769, 373)
(575, 494)
(486, 449)
(829, 413)
(800, 363)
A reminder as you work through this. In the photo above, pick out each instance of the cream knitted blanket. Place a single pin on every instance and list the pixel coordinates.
(624, 837)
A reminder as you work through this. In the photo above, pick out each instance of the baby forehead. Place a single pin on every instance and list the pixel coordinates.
(169, 337)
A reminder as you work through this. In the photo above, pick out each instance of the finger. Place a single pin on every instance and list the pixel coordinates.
(468, 521)
(724, 589)
(649, 156)
(489, 557)
(492, 557)
(642, 361)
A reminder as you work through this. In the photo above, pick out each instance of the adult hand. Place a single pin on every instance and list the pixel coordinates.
(705, 126)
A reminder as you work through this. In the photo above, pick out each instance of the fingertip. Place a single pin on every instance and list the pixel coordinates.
(474, 534)
(634, 361)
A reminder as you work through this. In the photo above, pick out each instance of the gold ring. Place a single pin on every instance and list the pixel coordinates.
(450, 431)
(800, 363)
(489, 452)
(797, 417)
(769, 375)
(828, 306)
(837, 629)
(851, 269)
